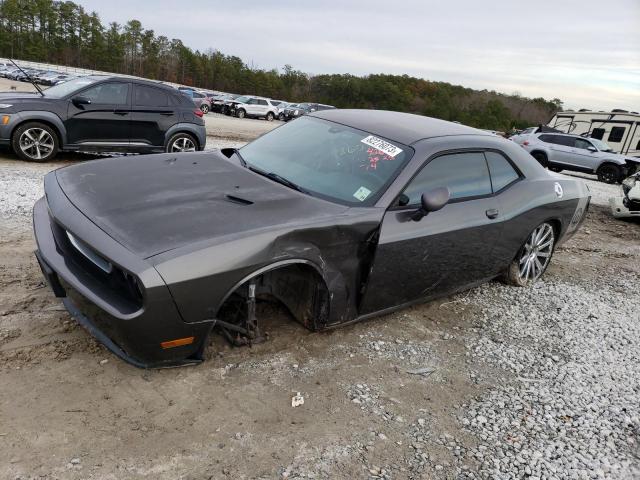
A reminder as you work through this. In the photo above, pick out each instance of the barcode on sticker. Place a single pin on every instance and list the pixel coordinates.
(382, 145)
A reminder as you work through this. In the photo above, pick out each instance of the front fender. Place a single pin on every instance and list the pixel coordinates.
(43, 116)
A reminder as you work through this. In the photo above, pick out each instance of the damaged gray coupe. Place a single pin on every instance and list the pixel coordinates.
(340, 216)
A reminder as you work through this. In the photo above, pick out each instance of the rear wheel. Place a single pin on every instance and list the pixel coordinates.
(241, 113)
(533, 257)
(35, 142)
(204, 108)
(281, 117)
(541, 158)
(609, 173)
(270, 117)
(181, 142)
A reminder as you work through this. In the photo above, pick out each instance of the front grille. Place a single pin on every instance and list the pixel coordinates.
(81, 258)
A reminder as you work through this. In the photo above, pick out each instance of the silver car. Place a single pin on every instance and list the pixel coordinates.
(559, 152)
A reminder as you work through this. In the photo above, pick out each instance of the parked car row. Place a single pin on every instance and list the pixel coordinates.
(42, 77)
(251, 106)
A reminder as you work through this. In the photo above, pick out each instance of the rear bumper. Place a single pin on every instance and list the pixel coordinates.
(133, 334)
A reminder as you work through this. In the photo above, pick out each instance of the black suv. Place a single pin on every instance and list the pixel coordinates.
(100, 114)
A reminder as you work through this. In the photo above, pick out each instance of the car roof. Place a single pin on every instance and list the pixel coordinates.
(402, 127)
(142, 81)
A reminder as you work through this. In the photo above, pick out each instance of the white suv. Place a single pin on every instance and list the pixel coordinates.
(256, 107)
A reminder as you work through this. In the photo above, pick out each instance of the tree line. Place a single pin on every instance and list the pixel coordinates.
(63, 32)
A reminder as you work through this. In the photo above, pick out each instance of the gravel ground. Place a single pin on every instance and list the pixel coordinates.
(494, 383)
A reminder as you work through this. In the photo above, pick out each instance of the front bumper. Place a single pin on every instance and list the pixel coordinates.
(620, 210)
(134, 333)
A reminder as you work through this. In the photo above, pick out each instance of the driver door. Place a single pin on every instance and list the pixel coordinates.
(446, 250)
(106, 120)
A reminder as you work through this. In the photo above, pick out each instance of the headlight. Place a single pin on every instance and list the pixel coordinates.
(5, 105)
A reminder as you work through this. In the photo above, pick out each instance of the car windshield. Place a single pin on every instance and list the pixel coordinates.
(600, 145)
(328, 160)
(68, 88)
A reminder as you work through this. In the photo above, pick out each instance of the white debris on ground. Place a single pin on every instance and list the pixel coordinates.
(20, 187)
(573, 411)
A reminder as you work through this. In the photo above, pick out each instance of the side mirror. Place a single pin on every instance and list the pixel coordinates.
(432, 201)
(592, 149)
(80, 100)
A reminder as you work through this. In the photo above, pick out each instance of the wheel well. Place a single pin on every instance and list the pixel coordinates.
(556, 224)
(44, 122)
(533, 152)
(608, 162)
(299, 287)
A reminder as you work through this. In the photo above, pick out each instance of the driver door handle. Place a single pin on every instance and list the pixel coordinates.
(492, 213)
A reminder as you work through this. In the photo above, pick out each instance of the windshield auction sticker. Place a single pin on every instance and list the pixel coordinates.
(383, 146)
(362, 193)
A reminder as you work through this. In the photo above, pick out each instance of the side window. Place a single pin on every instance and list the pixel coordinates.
(262, 102)
(253, 101)
(502, 172)
(564, 141)
(597, 133)
(150, 96)
(112, 93)
(616, 134)
(546, 138)
(465, 174)
(582, 144)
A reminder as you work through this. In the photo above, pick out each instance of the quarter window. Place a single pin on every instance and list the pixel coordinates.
(150, 96)
(112, 93)
(616, 134)
(502, 172)
(597, 133)
(465, 174)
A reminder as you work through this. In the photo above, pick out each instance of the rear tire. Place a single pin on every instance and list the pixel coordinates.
(182, 142)
(241, 113)
(541, 158)
(35, 142)
(533, 258)
(204, 108)
(609, 173)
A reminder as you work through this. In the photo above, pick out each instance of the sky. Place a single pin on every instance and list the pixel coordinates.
(585, 52)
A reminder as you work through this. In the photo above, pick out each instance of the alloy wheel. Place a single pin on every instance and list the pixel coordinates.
(36, 143)
(183, 144)
(205, 108)
(536, 253)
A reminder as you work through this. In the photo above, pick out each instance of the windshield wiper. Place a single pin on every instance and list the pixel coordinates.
(277, 178)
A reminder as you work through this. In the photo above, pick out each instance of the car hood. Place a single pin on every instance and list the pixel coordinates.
(13, 96)
(155, 203)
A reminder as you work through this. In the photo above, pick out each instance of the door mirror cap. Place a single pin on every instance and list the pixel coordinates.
(432, 201)
(592, 149)
(80, 100)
